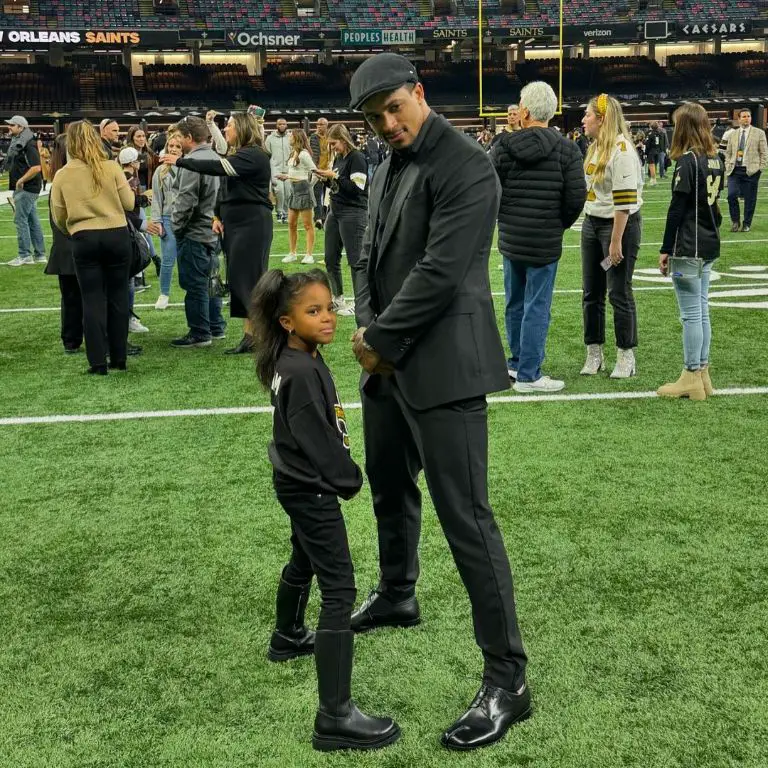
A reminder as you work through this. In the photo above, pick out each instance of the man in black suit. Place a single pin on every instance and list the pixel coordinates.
(431, 352)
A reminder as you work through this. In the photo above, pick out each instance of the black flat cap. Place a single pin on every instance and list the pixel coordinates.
(383, 72)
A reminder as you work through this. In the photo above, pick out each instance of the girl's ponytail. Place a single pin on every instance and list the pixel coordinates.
(270, 336)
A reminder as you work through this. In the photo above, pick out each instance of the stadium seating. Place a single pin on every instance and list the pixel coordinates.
(241, 14)
(38, 88)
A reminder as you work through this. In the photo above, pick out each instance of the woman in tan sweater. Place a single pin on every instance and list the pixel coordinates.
(89, 198)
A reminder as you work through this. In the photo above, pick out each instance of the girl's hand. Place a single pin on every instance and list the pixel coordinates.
(155, 228)
(664, 264)
(282, 177)
(615, 254)
(209, 115)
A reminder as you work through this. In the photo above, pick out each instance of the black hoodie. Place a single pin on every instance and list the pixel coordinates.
(542, 193)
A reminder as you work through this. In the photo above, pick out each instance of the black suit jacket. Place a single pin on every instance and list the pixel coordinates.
(427, 302)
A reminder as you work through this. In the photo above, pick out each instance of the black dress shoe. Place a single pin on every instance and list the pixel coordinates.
(118, 365)
(98, 370)
(493, 712)
(379, 610)
(243, 348)
(132, 350)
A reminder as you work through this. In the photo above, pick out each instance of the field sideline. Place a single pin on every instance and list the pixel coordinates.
(141, 554)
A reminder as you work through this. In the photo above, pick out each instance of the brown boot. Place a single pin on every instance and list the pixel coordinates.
(688, 385)
(706, 381)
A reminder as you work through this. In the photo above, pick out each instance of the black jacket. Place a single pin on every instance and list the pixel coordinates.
(427, 301)
(310, 441)
(542, 193)
(247, 176)
(60, 259)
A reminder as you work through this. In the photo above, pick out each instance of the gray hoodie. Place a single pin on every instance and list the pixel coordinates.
(192, 215)
(279, 150)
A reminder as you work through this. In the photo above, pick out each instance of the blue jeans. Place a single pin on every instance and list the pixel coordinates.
(693, 300)
(28, 229)
(196, 262)
(169, 251)
(528, 292)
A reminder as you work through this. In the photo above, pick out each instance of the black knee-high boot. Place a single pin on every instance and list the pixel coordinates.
(291, 638)
(339, 724)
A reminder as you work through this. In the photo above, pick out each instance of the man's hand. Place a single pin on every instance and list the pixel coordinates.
(169, 159)
(369, 359)
(19, 186)
(664, 264)
(217, 227)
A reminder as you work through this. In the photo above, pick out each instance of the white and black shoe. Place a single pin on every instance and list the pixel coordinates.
(190, 342)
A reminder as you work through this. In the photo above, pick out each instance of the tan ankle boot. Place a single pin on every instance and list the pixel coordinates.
(688, 385)
(706, 381)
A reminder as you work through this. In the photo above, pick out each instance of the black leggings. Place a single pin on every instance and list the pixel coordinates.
(320, 548)
(344, 228)
(101, 264)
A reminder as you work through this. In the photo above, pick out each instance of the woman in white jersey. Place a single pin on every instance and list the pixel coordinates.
(610, 237)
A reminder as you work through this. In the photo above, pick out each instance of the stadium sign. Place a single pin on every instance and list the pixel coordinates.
(261, 39)
(368, 38)
(39, 37)
(708, 28)
(448, 33)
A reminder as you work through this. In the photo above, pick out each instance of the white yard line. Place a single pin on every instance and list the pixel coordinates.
(263, 409)
(761, 283)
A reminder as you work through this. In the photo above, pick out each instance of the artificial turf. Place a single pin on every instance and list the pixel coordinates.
(140, 558)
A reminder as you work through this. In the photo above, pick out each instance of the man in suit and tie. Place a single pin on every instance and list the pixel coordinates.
(745, 158)
(430, 349)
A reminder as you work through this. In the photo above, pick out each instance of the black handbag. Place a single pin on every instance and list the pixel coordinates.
(217, 287)
(141, 257)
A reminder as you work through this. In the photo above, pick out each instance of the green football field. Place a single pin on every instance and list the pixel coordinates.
(140, 555)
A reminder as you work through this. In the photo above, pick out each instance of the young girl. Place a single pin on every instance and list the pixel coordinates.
(610, 236)
(292, 316)
(301, 198)
(693, 231)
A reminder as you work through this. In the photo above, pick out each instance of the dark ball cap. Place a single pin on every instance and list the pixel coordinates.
(383, 72)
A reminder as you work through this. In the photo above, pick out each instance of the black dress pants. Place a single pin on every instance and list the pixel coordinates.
(101, 258)
(595, 241)
(71, 311)
(344, 229)
(450, 443)
(320, 548)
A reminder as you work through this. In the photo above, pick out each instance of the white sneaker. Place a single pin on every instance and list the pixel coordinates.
(19, 262)
(290, 258)
(542, 384)
(135, 326)
(595, 361)
(40, 260)
(162, 302)
(308, 259)
(625, 364)
(512, 373)
(346, 310)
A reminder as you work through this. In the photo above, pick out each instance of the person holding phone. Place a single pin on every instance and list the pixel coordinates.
(610, 237)
(693, 231)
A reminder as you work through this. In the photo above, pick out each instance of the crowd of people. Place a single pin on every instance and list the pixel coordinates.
(418, 234)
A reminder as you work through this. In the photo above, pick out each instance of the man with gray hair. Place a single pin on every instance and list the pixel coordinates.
(513, 125)
(542, 194)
